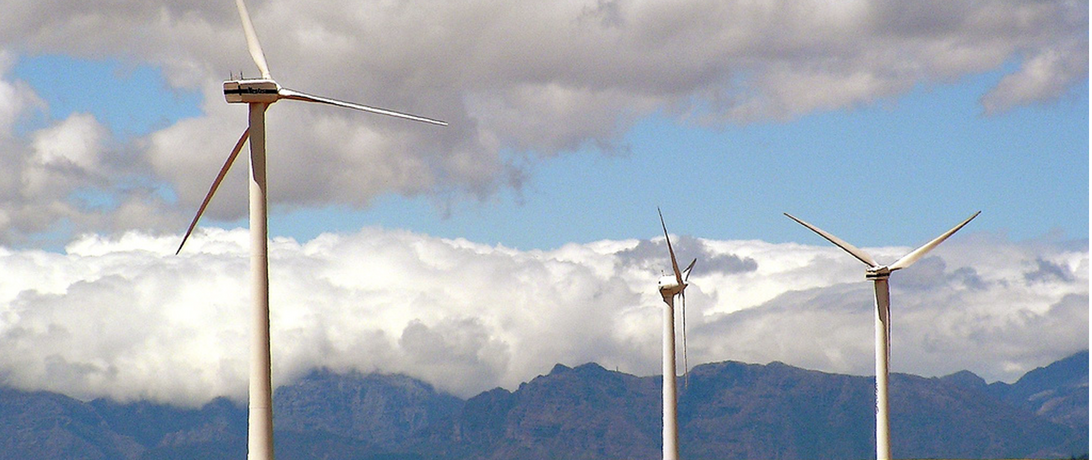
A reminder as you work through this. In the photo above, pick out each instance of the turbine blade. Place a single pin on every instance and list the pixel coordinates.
(252, 40)
(686, 363)
(851, 249)
(674, 263)
(688, 268)
(918, 253)
(215, 185)
(286, 93)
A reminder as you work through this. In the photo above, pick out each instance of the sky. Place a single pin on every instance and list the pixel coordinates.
(525, 233)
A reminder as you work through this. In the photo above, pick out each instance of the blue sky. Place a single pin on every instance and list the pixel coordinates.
(131, 99)
(525, 233)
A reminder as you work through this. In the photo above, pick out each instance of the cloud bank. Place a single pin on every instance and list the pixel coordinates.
(518, 82)
(121, 317)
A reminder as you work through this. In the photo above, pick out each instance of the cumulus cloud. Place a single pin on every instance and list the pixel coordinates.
(518, 82)
(1044, 76)
(121, 317)
(649, 253)
(67, 175)
(973, 306)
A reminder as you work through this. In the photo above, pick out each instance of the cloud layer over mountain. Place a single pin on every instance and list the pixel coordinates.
(121, 317)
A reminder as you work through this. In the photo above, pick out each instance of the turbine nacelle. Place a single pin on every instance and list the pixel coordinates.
(669, 284)
(261, 90)
(877, 273)
(669, 287)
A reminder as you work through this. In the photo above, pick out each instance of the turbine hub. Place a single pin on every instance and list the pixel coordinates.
(251, 91)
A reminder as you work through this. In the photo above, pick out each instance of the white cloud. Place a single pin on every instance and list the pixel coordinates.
(76, 142)
(122, 317)
(64, 158)
(1045, 76)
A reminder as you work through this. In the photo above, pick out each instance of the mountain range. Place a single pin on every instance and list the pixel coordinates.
(726, 410)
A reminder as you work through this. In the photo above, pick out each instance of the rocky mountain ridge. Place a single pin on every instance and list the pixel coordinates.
(726, 410)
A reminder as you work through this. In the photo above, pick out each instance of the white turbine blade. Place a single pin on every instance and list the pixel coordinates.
(686, 363)
(918, 253)
(682, 293)
(215, 185)
(252, 40)
(286, 93)
(851, 249)
(674, 263)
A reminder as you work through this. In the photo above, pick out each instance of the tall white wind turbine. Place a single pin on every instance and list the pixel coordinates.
(258, 94)
(671, 286)
(879, 274)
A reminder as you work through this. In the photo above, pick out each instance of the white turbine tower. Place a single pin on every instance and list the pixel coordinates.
(671, 286)
(258, 94)
(879, 274)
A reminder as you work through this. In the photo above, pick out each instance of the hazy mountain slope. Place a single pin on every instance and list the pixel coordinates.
(1058, 391)
(736, 410)
(581, 413)
(42, 425)
(934, 418)
(386, 410)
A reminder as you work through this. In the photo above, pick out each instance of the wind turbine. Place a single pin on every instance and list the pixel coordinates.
(671, 286)
(258, 94)
(879, 274)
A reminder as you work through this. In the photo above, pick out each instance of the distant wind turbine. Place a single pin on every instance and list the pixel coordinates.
(671, 286)
(879, 274)
(258, 94)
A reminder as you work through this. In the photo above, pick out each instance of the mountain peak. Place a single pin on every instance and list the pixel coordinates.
(965, 379)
